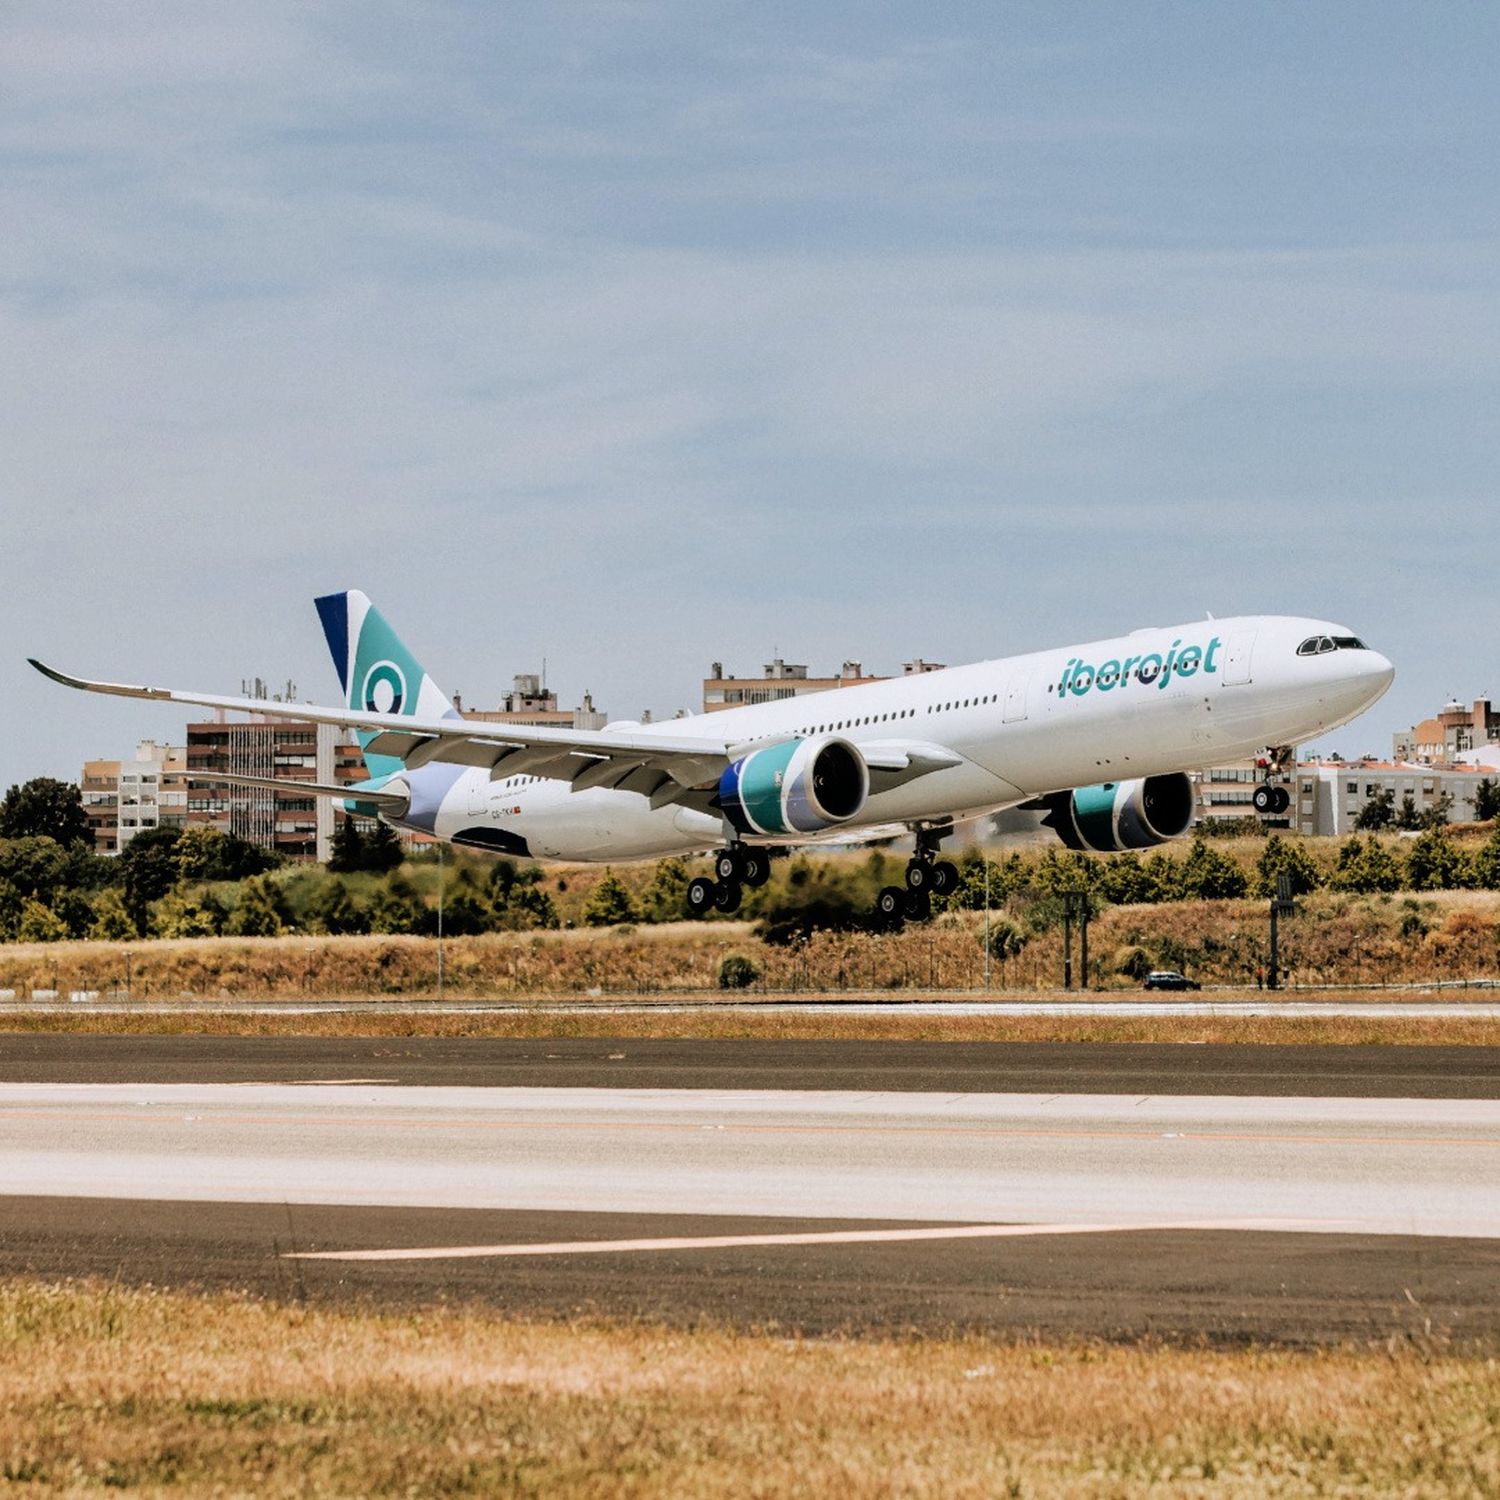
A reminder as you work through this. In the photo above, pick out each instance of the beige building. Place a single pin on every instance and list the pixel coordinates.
(1451, 732)
(123, 797)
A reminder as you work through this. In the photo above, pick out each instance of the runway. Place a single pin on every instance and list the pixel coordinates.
(1219, 1212)
(1436, 1072)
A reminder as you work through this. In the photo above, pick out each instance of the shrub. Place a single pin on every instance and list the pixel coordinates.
(259, 913)
(610, 903)
(736, 972)
(111, 922)
(1285, 857)
(39, 923)
(334, 910)
(185, 915)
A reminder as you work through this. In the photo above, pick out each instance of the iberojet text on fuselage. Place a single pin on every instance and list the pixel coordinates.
(1080, 677)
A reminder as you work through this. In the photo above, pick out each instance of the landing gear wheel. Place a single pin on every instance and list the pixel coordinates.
(1264, 798)
(918, 906)
(918, 875)
(1282, 799)
(701, 895)
(944, 878)
(727, 897)
(890, 905)
(755, 868)
(727, 866)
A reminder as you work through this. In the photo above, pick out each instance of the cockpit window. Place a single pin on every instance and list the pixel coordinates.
(1317, 645)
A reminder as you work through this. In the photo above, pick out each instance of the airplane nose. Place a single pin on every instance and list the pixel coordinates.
(1378, 674)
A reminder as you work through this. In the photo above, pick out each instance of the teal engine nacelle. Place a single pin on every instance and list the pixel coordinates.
(798, 786)
(1118, 815)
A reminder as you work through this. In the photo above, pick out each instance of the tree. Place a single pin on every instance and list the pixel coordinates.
(76, 912)
(347, 853)
(1367, 865)
(1435, 864)
(112, 923)
(1487, 800)
(396, 908)
(45, 808)
(1285, 857)
(204, 852)
(610, 903)
(35, 865)
(529, 906)
(1378, 812)
(466, 911)
(1407, 817)
(1208, 874)
(334, 910)
(185, 915)
(260, 912)
(39, 923)
(665, 897)
(1125, 881)
(383, 851)
(148, 865)
(1486, 863)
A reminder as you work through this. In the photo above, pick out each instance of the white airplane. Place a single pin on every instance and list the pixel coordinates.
(1101, 735)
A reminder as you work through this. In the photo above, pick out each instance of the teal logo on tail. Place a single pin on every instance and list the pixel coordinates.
(377, 672)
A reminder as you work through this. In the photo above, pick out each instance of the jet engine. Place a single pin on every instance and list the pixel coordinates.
(1119, 815)
(798, 786)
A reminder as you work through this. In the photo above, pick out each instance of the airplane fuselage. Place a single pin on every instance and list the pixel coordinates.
(1152, 703)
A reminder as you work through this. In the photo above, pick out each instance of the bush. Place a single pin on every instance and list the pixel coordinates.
(111, 923)
(39, 924)
(610, 903)
(260, 912)
(736, 972)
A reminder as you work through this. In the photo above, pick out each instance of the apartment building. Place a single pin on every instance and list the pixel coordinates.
(1453, 731)
(1330, 795)
(123, 797)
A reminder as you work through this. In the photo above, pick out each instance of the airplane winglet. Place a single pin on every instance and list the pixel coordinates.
(119, 689)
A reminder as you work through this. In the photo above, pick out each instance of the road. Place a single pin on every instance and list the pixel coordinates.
(1035, 1188)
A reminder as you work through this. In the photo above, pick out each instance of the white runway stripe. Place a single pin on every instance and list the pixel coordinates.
(820, 1237)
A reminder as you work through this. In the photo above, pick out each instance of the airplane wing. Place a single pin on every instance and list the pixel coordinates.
(658, 766)
(664, 767)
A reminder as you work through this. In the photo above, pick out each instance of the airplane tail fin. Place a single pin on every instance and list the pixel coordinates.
(377, 672)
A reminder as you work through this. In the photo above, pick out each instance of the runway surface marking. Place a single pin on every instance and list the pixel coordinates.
(822, 1237)
(1382, 1165)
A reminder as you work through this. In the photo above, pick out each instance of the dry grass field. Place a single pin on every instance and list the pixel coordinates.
(151, 1392)
(1438, 938)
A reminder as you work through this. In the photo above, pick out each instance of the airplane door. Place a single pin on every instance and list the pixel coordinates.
(479, 793)
(1237, 658)
(1015, 697)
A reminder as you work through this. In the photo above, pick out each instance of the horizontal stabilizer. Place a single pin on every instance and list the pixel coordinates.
(393, 802)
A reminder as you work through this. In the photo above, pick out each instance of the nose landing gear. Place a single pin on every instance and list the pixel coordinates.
(1271, 796)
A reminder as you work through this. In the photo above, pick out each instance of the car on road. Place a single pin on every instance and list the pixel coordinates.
(1170, 979)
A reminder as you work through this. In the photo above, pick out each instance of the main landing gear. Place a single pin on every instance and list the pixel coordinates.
(926, 876)
(735, 868)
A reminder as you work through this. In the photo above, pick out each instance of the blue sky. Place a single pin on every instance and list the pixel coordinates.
(640, 335)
